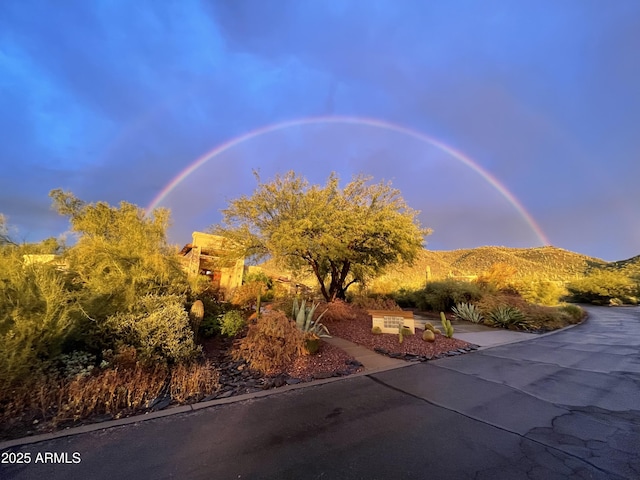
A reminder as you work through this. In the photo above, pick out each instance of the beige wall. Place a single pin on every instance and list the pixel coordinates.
(230, 277)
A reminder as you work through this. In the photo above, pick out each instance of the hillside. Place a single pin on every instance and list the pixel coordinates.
(629, 267)
(550, 263)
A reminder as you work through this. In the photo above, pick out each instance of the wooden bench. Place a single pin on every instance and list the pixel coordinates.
(390, 320)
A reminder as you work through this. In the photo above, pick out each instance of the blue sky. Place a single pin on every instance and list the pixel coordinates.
(113, 99)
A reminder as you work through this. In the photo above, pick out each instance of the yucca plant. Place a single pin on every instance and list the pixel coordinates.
(468, 312)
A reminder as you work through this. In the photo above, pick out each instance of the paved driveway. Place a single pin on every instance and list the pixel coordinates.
(560, 406)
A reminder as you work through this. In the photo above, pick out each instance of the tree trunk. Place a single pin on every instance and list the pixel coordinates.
(323, 289)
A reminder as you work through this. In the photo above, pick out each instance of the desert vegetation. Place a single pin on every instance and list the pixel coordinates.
(111, 324)
(340, 236)
(102, 328)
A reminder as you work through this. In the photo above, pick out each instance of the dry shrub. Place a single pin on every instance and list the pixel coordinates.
(489, 303)
(340, 311)
(27, 400)
(375, 303)
(537, 317)
(549, 318)
(110, 391)
(114, 391)
(271, 343)
(193, 382)
(247, 295)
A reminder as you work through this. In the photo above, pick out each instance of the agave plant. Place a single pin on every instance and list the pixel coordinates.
(468, 312)
(506, 316)
(303, 316)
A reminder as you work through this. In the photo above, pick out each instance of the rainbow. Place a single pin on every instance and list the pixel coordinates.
(371, 122)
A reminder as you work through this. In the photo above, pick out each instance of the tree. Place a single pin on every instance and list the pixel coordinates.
(602, 286)
(5, 239)
(341, 235)
(120, 259)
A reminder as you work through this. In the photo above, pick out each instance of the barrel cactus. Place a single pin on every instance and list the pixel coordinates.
(435, 330)
(428, 336)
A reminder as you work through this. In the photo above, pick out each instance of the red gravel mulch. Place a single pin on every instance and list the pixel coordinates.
(358, 330)
(328, 360)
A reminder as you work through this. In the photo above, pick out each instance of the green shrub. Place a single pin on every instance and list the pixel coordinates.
(76, 364)
(602, 286)
(468, 312)
(232, 323)
(214, 309)
(443, 295)
(210, 326)
(574, 311)
(543, 292)
(38, 316)
(158, 328)
(268, 290)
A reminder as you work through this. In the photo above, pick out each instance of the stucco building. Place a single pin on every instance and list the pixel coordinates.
(205, 256)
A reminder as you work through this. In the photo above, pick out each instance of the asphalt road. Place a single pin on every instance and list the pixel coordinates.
(561, 406)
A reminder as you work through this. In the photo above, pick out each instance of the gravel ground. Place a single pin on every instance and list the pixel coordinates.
(358, 330)
(325, 363)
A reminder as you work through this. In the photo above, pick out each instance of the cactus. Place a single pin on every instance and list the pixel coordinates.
(403, 332)
(446, 324)
(428, 326)
(428, 336)
(196, 314)
(376, 330)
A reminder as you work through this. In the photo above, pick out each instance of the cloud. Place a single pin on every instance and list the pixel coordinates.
(113, 100)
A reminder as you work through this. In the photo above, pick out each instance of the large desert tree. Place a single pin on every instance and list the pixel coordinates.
(121, 254)
(342, 235)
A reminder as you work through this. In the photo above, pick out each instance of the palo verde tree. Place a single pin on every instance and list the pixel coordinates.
(342, 235)
(130, 288)
(121, 253)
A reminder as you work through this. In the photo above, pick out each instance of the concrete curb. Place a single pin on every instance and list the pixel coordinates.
(180, 409)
